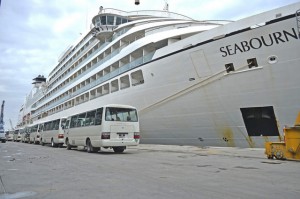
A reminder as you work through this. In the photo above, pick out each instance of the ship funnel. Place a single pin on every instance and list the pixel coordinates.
(38, 81)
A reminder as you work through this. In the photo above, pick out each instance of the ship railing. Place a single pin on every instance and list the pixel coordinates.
(78, 66)
(96, 51)
(115, 52)
(100, 80)
(35, 97)
(119, 33)
(154, 13)
(78, 46)
(80, 54)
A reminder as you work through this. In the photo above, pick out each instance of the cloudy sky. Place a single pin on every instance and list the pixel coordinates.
(33, 33)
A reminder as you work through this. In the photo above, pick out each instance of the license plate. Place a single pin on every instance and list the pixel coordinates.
(122, 135)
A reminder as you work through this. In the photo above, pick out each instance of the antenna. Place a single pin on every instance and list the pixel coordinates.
(166, 7)
(2, 116)
(100, 9)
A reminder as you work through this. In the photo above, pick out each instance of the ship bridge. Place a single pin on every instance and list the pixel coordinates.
(109, 19)
(106, 21)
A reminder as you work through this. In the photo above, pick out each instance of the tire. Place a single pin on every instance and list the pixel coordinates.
(52, 143)
(69, 146)
(42, 143)
(90, 148)
(119, 149)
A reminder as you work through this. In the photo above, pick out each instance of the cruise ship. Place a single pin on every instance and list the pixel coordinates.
(194, 82)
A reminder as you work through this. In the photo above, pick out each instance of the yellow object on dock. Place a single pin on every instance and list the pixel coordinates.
(290, 148)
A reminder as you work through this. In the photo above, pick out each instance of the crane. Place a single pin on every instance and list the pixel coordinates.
(11, 125)
(1, 117)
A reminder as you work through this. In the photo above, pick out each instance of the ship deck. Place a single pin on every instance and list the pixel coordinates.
(145, 171)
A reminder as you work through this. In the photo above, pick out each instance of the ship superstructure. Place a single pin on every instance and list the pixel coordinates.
(194, 82)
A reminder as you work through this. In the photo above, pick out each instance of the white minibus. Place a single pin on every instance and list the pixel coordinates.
(111, 126)
(17, 137)
(26, 134)
(22, 133)
(52, 132)
(9, 135)
(2, 136)
(35, 135)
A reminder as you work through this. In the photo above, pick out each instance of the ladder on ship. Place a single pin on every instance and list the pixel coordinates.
(298, 22)
(213, 78)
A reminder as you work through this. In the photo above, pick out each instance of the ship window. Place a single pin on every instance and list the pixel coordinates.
(103, 20)
(118, 21)
(137, 78)
(93, 94)
(99, 91)
(124, 20)
(229, 67)
(124, 82)
(252, 62)
(114, 85)
(105, 89)
(110, 20)
(97, 19)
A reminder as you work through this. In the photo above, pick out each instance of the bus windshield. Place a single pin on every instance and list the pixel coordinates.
(121, 114)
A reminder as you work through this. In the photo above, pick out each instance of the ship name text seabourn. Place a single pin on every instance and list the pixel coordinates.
(258, 42)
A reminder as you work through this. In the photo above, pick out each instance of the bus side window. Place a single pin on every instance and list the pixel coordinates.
(63, 123)
(56, 127)
(98, 119)
(108, 115)
(67, 124)
(52, 124)
(41, 127)
(90, 118)
(48, 126)
(81, 120)
(73, 121)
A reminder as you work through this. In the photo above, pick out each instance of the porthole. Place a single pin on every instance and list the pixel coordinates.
(272, 59)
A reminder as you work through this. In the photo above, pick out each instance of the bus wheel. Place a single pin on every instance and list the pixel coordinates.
(119, 149)
(69, 147)
(90, 148)
(52, 143)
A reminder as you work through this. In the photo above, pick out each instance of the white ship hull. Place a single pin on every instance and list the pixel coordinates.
(188, 97)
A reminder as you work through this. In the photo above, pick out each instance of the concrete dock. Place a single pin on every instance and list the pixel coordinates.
(145, 171)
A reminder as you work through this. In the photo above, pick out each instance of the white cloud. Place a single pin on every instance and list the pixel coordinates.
(67, 22)
(3, 88)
